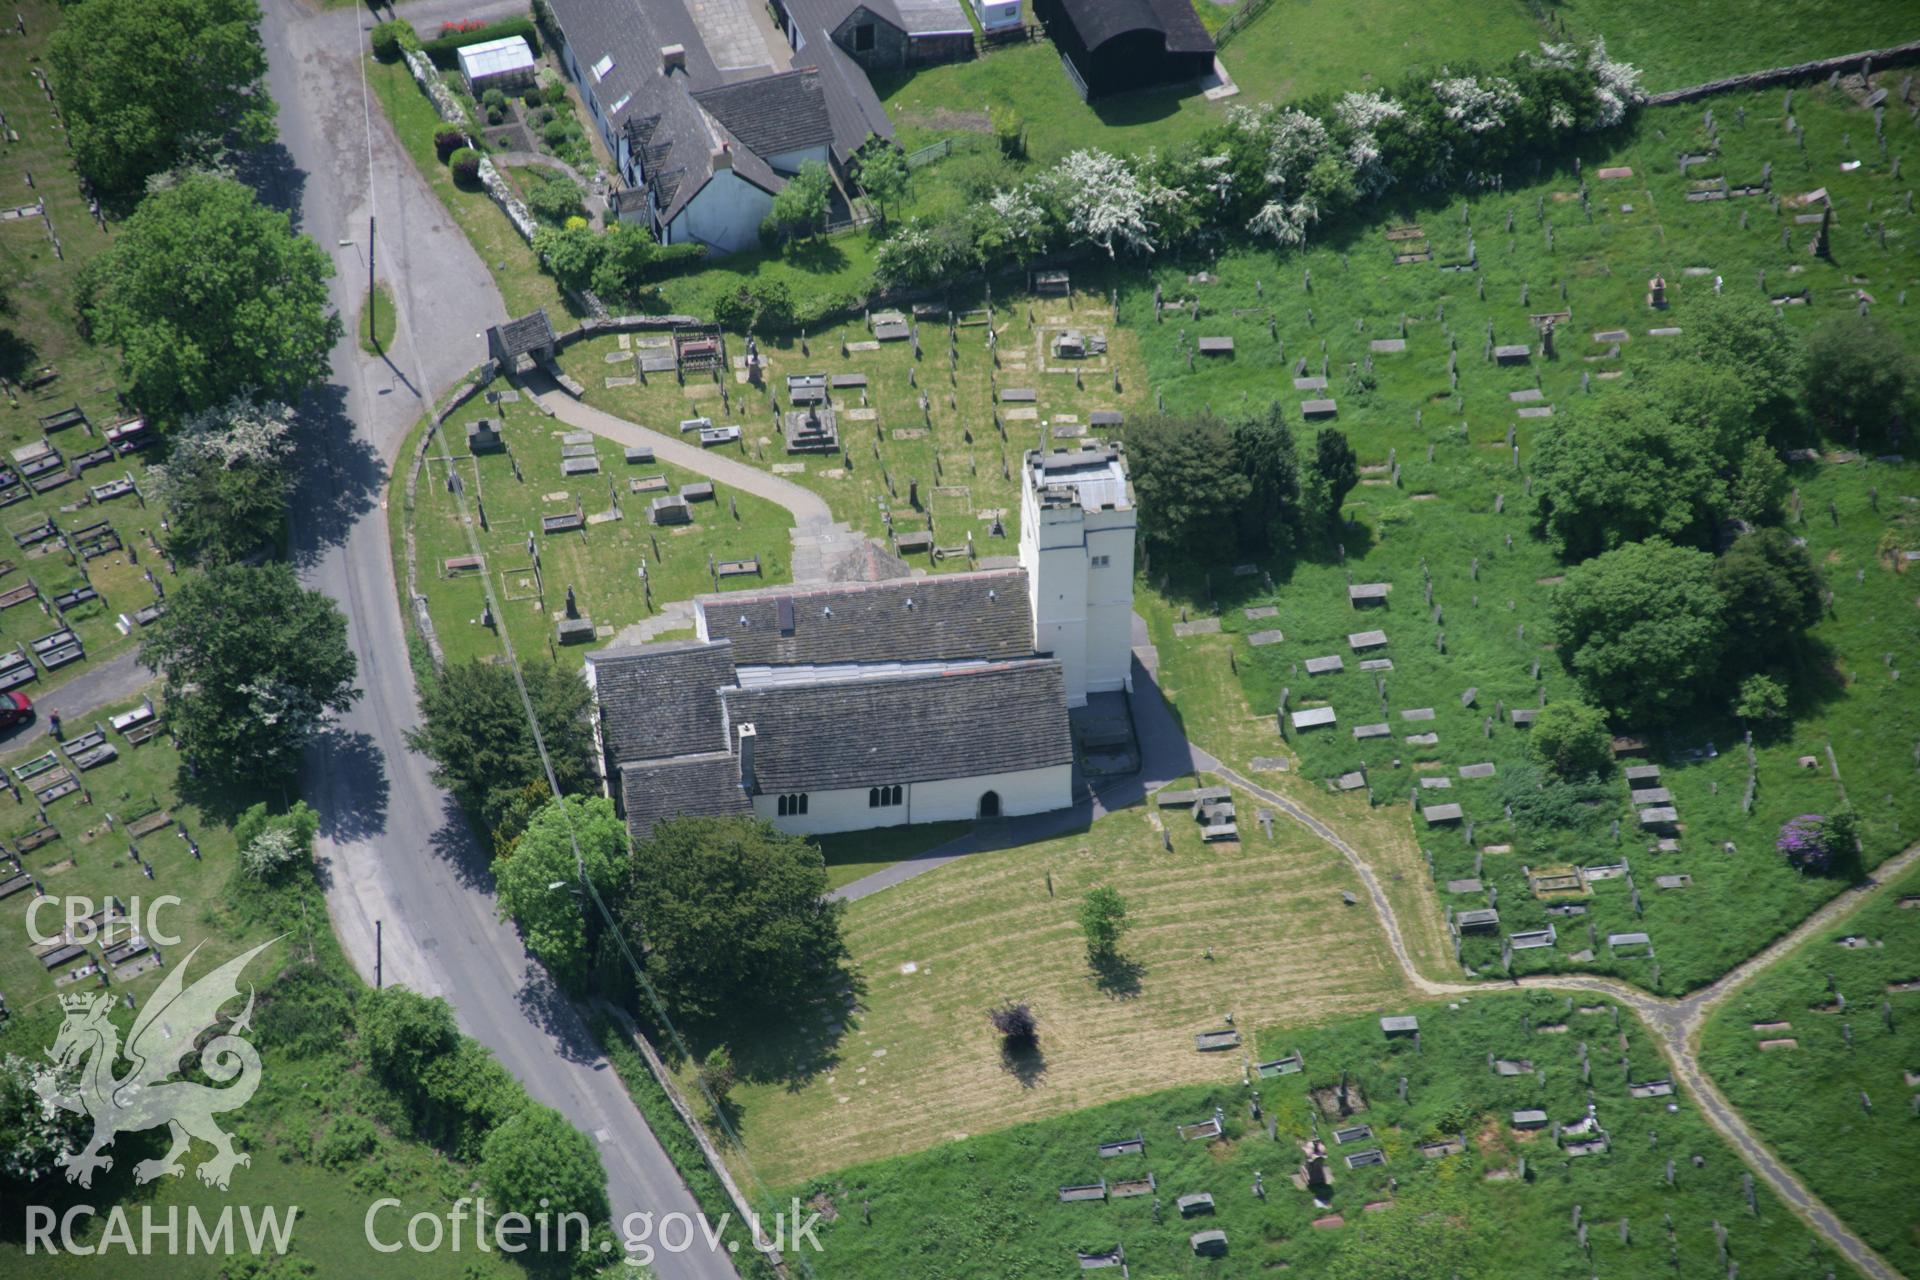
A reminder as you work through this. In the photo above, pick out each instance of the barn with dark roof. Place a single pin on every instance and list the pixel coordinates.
(1109, 46)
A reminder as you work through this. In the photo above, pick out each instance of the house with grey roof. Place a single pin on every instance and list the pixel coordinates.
(839, 706)
(707, 119)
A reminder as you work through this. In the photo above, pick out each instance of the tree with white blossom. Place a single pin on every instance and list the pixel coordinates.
(1105, 201)
(226, 480)
(1477, 105)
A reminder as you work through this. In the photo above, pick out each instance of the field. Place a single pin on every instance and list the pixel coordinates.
(321, 1135)
(1514, 1203)
(1493, 598)
(1256, 930)
(601, 562)
(38, 336)
(1680, 44)
(1804, 1099)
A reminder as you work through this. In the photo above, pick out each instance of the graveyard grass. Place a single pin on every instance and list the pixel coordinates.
(1805, 1102)
(1683, 44)
(988, 1204)
(964, 450)
(39, 327)
(601, 562)
(1442, 513)
(917, 1062)
(321, 1135)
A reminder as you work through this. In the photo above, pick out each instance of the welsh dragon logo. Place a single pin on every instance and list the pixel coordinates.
(88, 1050)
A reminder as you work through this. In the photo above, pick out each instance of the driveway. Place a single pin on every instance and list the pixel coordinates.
(399, 861)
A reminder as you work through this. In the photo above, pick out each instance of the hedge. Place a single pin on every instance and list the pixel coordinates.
(443, 48)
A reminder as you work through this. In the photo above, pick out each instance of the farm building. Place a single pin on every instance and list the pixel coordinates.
(1109, 46)
(848, 705)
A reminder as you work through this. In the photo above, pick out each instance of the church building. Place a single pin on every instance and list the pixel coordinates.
(840, 706)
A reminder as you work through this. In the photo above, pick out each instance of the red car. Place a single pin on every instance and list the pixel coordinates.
(15, 708)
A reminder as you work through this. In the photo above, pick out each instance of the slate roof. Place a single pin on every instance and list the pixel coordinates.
(675, 138)
(1099, 21)
(702, 786)
(526, 333)
(773, 114)
(911, 728)
(852, 104)
(662, 699)
(981, 615)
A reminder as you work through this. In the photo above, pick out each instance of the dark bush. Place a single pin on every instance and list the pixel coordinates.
(532, 97)
(389, 38)
(557, 133)
(465, 164)
(1018, 1028)
(447, 139)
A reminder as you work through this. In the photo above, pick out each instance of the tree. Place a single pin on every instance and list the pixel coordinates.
(1571, 739)
(1757, 493)
(143, 84)
(1860, 378)
(210, 295)
(799, 211)
(1762, 698)
(1771, 592)
(731, 917)
(1711, 399)
(1103, 919)
(225, 481)
(559, 925)
(1620, 471)
(33, 1133)
(402, 1032)
(553, 196)
(1640, 628)
(717, 1075)
(570, 254)
(537, 1162)
(271, 843)
(473, 726)
(1747, 338)
(1190, 498)
(1332, 473)
(1264, 448)
(883, 175)
(254, 664)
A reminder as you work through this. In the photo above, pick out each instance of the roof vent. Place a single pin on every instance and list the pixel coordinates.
(826, 611)
(909, 604)
(992, 594)
(743, 619)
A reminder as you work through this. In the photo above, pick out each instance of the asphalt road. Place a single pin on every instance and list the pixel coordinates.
(395, 853)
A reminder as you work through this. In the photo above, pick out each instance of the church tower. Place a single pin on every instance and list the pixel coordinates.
(1077, 528)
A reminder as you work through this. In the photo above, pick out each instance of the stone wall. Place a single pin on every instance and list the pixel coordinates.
(1894, 56)
(451, 110)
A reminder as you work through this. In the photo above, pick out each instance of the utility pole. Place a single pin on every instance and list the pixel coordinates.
(377, 984)
(373, 299)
